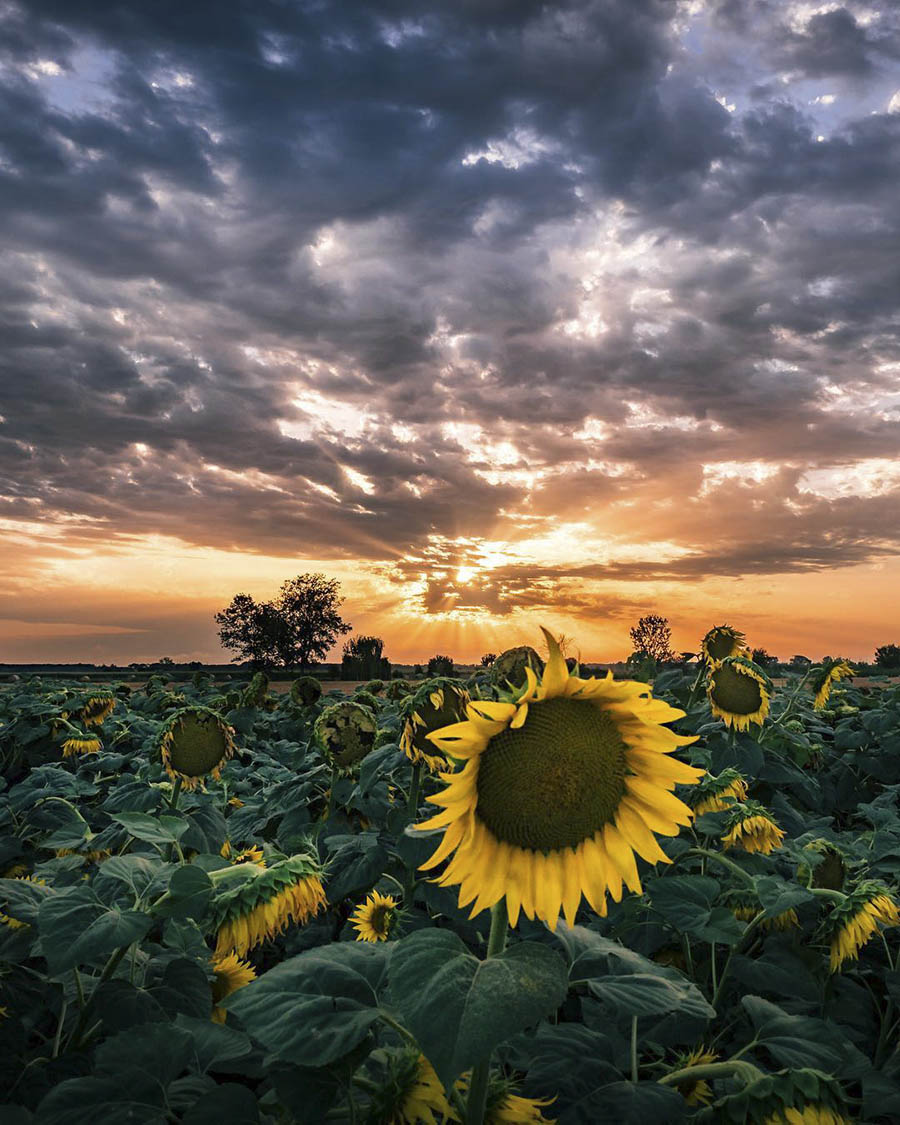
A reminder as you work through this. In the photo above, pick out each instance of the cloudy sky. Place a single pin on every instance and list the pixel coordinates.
(500, 312)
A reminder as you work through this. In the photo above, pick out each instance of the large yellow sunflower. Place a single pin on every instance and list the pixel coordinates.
(721, 642)
(822, 679)
(561, 787)
(738, 692)
(752, 828)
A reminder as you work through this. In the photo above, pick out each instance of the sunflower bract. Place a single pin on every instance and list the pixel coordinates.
(561, 789)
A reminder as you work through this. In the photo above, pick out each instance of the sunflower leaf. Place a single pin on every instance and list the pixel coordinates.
(460, 1008)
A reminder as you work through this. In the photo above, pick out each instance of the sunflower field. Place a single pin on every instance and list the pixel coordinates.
(536, 895)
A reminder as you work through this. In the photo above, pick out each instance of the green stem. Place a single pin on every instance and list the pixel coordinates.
(108, 969)
(176, 792)
(712, 968)
(695, 687)
(634, 1050)
(721, 859)
(412, 804)
(399, 1028)
(732, 1068)
(481, 1072)
(64, 1007)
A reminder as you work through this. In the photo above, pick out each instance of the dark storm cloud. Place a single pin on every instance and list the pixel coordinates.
(259, 261)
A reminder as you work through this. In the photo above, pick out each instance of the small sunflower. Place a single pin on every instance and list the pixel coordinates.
(95, 710)
(437, 703)
(561, 788)
(752, 828)
(822, 679)
(721, 642)
(857, 919)
(745, 907)
(248, 855)
(375, 918)
(715, 794)
(236, 802)
(94, 856)
(695, 1091)
(738, 691)
(254, 903)
(195, 742)
(346, 733)
(411, 1092)
(81, 744)
(231, 973)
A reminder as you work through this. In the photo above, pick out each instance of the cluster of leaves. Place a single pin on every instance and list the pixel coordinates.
(106, 981)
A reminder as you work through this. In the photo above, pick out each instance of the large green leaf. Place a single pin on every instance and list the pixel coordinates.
(460, 1008)
(317, 1006)
(76, 928)
(89, 1101)
(190, 892)
(160, 829)
(795, 1041)
(642, 994)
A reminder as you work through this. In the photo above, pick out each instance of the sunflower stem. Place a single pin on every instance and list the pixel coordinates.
(176, 792)
(634, 1050)
(725, 862)
(695, 687)
(733, 1068)
(412, 804)
(478, 1087)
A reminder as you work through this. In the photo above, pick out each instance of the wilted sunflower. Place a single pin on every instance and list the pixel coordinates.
(738, 692)
(306, 691)
(752, 828)
(721, 642)
(854, 921)
(695, 1091)
(346, 733)
(811, 1113)
(505, 1107)
(253, 903)
(411, 1092)
(829, 872)
(231, 973)
(375, 918)
(95, 710)
(437, 703)
(745, 907)
(715, 794)
(509, 667)
(560, 789)
(822, 679)
(81, 744)
(195, 742)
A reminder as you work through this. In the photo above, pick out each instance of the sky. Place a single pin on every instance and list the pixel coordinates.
(502, 313)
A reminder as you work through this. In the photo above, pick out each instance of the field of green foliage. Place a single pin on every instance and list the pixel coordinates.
(679, 902)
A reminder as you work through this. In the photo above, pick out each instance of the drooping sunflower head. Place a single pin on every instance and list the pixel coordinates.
(752, 828)
(397, 689)
(745, 906)
(822, 678)
(825, 866)
(410, 1092)
(503, 1106)
(716, 793)
(81, 743)
(376, 687)
(738, 691)
(194, 743)
(376, 918)
(807, 1113)
(695, 1091)
(856, 920)
(721, 642)
(367, 699)
(231, 974)
(346, 733)
(561, 788)
(253, 903)
(96, 709)
(305, 691)
(255, 692)
(436, 704)
(508, 670)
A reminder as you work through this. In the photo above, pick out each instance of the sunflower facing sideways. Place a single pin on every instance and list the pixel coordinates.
(822, 679)
(721, 642)
(562, 786)
(738, 691)
(375, 918)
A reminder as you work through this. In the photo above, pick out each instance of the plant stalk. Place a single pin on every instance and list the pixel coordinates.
(478, 1087)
